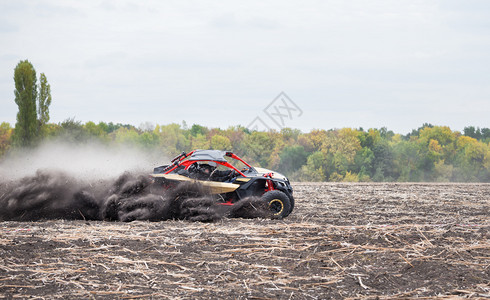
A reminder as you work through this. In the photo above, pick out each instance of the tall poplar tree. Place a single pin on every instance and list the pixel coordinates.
(26, 128)
(44, 100)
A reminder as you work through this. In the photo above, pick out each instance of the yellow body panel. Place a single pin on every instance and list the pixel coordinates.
(172, 177)
(243, 179)
(219, 187)
(213, 186)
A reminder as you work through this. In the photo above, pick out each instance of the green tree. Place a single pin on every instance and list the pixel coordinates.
(442, 134)
(472, 162)
(292, 158)
(340, 148)
(363, 163)
(198, 129)
(258, 147)
(415, 132)
(72, 131)
(26, 128)
(313, 170)
(96, 131)
(148, 140)
(472, 132)
(405, 160)
(235, 134)
(126, 136)
(485, 132)
(172, 139)
(443, 172)
(220, 142)
(384, 169)
(200, 142)
(290, 134)
(111, 127)
(44, 101)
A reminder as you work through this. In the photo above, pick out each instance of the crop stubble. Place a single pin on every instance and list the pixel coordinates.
(342, 240)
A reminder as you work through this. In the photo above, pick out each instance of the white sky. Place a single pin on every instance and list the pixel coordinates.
(344, 63)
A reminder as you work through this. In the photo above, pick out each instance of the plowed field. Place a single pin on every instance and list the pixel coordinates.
(379, 241)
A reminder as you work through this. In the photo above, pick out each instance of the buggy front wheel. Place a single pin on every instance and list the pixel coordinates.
(279, 203)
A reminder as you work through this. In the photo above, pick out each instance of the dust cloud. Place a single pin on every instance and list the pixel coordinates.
(88, 161)
(94, 182)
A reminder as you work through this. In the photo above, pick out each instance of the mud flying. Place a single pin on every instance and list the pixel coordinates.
(57, 195)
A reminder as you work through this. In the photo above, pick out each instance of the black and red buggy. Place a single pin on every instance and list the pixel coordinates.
(229, 178)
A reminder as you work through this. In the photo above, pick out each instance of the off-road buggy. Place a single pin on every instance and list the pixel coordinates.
(228, 177)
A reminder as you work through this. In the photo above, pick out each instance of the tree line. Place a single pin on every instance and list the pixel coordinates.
(429, 153)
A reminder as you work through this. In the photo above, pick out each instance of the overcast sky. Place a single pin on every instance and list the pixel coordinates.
(342, 63)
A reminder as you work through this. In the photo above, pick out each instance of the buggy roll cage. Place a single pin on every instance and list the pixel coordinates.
(181, 160)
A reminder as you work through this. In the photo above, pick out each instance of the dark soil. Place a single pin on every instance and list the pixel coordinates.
(379, 241)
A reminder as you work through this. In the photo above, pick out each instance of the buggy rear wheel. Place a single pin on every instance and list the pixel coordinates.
(279, 203)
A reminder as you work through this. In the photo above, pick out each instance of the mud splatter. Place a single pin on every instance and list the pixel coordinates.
(57, 195)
